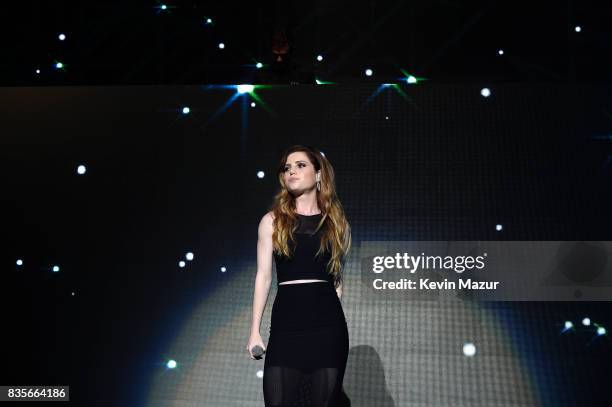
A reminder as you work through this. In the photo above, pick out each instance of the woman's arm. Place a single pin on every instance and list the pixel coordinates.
(347, 246)
(263, 279)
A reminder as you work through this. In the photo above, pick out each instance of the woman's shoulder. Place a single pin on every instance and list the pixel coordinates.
(266, 225)
(267, 219)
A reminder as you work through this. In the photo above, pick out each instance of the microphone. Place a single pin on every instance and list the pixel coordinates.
(257, 351)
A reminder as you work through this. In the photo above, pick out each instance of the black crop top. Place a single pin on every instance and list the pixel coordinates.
(303, 264)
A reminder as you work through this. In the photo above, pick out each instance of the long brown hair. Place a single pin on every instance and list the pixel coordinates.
(336, 231)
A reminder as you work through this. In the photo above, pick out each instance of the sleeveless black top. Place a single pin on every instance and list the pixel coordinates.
(303, 264)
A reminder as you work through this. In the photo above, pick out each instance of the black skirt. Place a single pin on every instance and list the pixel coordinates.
(308, 346)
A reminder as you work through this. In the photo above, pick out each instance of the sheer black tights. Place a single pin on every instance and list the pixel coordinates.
(281, 386)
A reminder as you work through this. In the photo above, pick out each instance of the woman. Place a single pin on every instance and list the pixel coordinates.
(309, 237)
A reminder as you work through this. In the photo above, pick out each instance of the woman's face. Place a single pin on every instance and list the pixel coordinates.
(299, 173)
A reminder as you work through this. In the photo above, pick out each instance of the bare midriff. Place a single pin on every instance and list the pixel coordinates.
(300, 281)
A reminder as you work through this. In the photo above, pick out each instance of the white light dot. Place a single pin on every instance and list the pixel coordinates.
(209, 21)
(586, 321)
(62, 37)
(259, 374)
(319, 58)
(259, 65)
(186, 110)
(411, 79)
(181, 264)
(59, 65)
(386, 117)
(577, 28)
(19, 262)
(189, 256)
(569, 325)
(500, 52)
(56, 269)
(221, 45)
(486, 92)
(73, 293)
(498, 227)
(260, 174)
(171, 364)
(81, 169)
(368, 72)
(223, 269)
(163, 7)
(38, 71)
(469, 349)
(601, 330)
(253, 104)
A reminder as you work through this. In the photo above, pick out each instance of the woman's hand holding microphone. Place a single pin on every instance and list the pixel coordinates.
(255, 346)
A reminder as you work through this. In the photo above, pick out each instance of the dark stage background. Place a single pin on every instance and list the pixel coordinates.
(439, 163)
